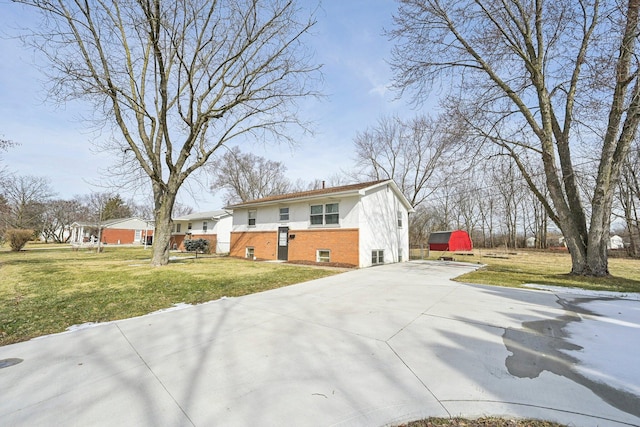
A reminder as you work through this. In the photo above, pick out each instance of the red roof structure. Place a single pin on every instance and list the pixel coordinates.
(457, 240)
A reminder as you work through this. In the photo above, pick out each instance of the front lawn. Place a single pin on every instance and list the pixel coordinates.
(548, 268)
(44, 291)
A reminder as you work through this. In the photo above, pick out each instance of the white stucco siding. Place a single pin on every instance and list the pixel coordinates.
(197, 226)
(379, 228)
(223, 231)
(268, 217)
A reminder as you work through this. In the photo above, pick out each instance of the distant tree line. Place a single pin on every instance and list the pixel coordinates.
(30, 203)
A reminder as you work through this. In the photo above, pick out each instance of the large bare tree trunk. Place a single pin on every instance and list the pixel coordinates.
(164, 201)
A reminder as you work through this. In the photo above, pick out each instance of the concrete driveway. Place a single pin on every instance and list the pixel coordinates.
(370, 347)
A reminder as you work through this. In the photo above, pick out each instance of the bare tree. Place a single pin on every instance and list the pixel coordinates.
(5, 144)
(534, 77)
(629, 197)
(26, 196)
(246, 176)
(178, 79)
(58, 217)
(409, 152)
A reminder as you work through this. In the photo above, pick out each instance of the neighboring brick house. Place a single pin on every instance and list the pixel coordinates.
(214, 226)
(359, 225)
(123, 231)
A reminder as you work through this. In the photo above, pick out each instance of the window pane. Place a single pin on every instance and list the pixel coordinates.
(284, 214)
(316, 209)
(323, 256)
(332, 208)
(316, 219)
(331, 219)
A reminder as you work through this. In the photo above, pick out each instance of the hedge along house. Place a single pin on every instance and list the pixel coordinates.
(214, 226)
(123, 231)
(358, 225)
(457, 240)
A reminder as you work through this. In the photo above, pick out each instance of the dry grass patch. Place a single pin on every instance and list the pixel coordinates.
(514, 269)
(44, 291)
(548, 268)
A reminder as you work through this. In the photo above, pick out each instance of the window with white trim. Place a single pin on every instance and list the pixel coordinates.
(178, 227)
(284, 214)
(377, 256)
(249, 252)
(252, 217)
(328, 214)
(399, 219)
(205, 226)
(189, 226)
(323, 255)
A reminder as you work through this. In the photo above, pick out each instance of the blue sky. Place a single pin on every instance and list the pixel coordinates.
(347, 39)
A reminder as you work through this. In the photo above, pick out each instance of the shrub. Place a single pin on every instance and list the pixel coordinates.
(197, 245)
(18, 238)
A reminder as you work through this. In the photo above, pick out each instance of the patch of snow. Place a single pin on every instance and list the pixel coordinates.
(610, 342)
(174, 307)
(83, 326)
(584, 292)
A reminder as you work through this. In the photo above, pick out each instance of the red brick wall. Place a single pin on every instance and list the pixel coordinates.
(343, 244)
(177, 241)
(265, 244)
(126, 237)
(113, 235)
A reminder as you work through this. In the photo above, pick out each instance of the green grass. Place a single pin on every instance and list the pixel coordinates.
(44, 291)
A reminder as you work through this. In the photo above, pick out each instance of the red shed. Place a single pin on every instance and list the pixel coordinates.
(457, 240)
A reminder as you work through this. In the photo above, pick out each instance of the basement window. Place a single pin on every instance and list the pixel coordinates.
(323, 255)
(377, 256)
(249, 252)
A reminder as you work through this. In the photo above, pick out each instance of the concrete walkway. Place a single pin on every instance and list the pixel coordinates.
(370, 347)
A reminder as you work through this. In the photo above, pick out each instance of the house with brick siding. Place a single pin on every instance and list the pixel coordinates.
(122, 231)
(358, 225)
(214, 226)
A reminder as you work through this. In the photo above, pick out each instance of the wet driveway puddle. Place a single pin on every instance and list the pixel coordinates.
(542, 345)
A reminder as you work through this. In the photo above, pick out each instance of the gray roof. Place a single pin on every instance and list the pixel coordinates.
(350, 189)
(204, 215)
(439, 237)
